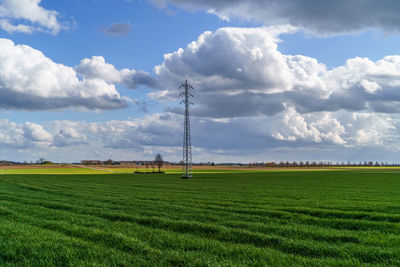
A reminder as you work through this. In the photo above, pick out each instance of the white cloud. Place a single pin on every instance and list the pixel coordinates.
(221, 16)
(39, 18)
(69, 136)
(240, 139)
(8, 27)
(321, 17)
(370, 87)
(31, 81)
(240, 72)
(27, 135)
(288, 135)
(161, 96)
(34, 133)
(11, 133)
(229, 59)
(250, 98)
(374, 129)
(315, 128)
(97, 68)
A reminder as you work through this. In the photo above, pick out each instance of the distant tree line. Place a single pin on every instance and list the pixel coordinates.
(311, 164)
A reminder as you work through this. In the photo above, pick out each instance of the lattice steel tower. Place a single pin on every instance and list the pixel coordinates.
(187, 142)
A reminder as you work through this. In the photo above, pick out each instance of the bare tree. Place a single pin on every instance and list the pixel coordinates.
(40, 161)
(158, 160)
(108, 162)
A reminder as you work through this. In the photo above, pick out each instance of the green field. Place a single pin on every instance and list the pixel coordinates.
(274, 218)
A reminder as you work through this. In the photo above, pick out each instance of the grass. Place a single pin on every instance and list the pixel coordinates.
(274, 218)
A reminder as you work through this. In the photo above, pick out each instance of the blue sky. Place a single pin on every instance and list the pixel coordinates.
(271, 83)
(154, 32)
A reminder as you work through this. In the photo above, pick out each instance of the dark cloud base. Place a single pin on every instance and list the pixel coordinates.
(22, 101)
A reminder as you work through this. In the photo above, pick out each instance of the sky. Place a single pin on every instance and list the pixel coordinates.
(273, 80)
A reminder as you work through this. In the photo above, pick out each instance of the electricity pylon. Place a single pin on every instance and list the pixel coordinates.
(187, 142)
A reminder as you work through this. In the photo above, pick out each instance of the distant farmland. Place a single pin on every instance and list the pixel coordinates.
(220, 218)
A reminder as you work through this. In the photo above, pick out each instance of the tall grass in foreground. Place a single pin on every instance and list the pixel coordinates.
(220, 219)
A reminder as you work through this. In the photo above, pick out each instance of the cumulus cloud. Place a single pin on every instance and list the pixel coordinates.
(235, 138)
(240, 72)
(31, 81)
(11, 134)
(321, 17)
(69, 136)
(23, 136)
(97, 68)
(34, 133)
(372, 129)
(117, 29)
(292, 126)
(15, 15)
